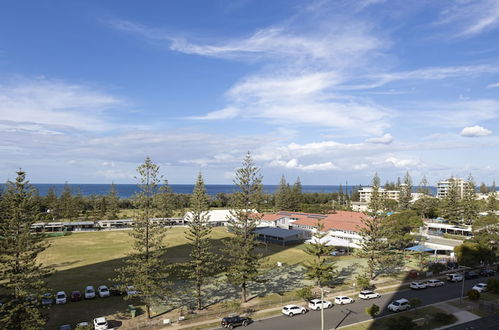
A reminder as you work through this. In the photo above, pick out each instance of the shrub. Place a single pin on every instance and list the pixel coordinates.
(373, 310)
(436, 268)
(305, 293)
(401, 322)
(443, 318)
(362, 281)
(473, 295)
(415, 302)
(493, 285)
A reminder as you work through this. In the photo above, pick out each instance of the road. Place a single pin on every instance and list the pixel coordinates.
(352, 313)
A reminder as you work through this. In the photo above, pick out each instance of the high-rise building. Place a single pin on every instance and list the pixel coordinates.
(444, 186)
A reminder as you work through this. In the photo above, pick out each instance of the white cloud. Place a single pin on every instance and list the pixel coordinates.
(226, 113)
(472, 17)
(475, 131)
(294, 164)
(495, 85)
(385, 139)
(403, 163)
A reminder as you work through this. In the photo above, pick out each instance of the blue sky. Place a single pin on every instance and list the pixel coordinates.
(328, 91)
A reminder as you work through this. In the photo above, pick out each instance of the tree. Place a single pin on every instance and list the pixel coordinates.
(377, 202)
(483, 188)
(305, 293)
(243, 260)
(401, 226)
(321, 269)
(203, 262)
(165, 201)
(113, 203)
(492, 199)
(20, 271)
(493, 285)
(451, 208)
(296, 193)
(415, 302)
(423, 186)
(486, 232)
(66, 203)
(145, 269)
(283, 196)
(472, 254)
(406, 193)
(469, 203)
(373, 310)
(473, 295)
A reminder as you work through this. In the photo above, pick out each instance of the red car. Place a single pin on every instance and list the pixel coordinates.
(75, 296)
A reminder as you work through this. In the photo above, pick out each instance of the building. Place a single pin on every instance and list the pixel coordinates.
(365, 194)
(444, 186)
(215, 217)
(280, 236)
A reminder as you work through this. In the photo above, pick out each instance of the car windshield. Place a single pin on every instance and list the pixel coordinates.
(61, 295)
(102, 323)
(103, 289)
(396, 303)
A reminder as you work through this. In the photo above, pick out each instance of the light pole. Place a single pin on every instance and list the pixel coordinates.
(462, 287)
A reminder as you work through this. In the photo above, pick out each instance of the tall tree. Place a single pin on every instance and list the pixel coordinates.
(424, 186)
(283, 198)
(66, 203)
(406, 192)
(469, 202)
(19, 248)
(243, 260)
(145, 268)
(321, 269)
(492, 199)
(451, 204)
(165, 200)
(113, 203)
(203, 262)
(377, 202)
(296, 194)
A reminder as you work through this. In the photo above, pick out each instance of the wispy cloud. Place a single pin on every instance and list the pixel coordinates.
(385, 139)
(495, 85)
(472, 17)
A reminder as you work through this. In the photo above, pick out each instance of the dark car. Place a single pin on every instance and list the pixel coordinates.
(75, 296)
(234, 321)
(115, 290)
(470, 275)
(487, 272)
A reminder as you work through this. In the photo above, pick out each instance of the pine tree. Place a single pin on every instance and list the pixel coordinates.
(469, 203)
(296, 195)
(165, 200)
(243, 260)
(321, 269)
(66, 204)
(22, 275)
(492, 199)
(423, 186)
(405, 193)
(113, 203)
(377, 202)
(483, 188)
(451, 204)
(145, 269)
(283, 196)
(52, 204)
(203, 262)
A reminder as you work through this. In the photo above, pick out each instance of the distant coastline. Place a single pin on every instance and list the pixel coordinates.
(128, 190)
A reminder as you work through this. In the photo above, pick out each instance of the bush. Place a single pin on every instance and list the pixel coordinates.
(437, 268)
(493, 285)
(373, 310)
(443, 318)
(401, 322)
(305, 293)
(473, 295)
(362, 281)
(415, 302)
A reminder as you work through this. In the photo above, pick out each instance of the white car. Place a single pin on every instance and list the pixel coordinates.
(399, 305)
(130, 290)
(434, 283)
(480, 287)
(61, 298)
(100, 323)
(103, 291)
(89, 292)
(343, 300)
(366, 294)
(317, 304)
(291, 310)
(454, 277)
(418, 285)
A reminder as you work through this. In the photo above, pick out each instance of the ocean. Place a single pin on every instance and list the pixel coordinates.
(128, 190)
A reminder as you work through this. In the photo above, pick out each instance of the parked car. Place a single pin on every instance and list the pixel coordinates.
(65, 327)
(47, 299)
(418, 285)
(343, 300)
(487, 272)
(82, 325)
(368, 294)
(100, 323)
(115, 290)
(454, 277)
(317, 304)
(480, 287)
(291, 310)
(61, 298)
(399, 305)
(130, 290)
(434, 283)
(89, 292)
(103, 291)
(470, 275)
(75, 296)
(31, 298)
(233, 321)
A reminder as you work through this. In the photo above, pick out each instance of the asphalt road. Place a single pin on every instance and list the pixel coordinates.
(341, 315)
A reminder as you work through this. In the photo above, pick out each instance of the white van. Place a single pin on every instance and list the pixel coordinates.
(454, 277)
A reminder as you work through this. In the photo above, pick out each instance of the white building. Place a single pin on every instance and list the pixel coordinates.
(365, 194)
(215, 217)
(444, 186)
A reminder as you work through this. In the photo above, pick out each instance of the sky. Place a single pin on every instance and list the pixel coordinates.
(328, 91)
